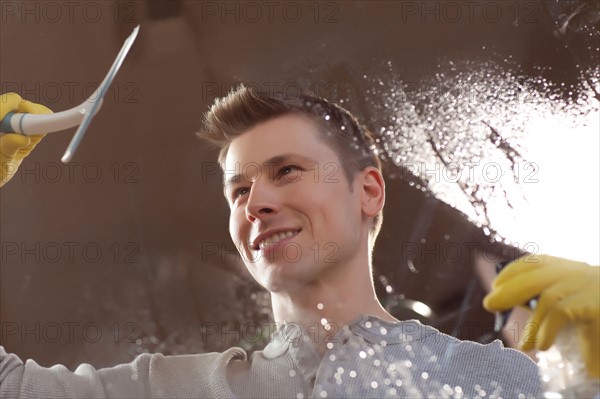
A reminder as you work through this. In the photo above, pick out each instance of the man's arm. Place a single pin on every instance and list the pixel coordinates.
(148, 375)
(25, 380)
(15, 147)
(569, 294)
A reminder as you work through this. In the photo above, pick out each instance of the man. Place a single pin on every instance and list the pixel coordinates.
(306, 192)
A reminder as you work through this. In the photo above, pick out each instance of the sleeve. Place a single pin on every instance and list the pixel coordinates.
(148, 375)
(30, 380)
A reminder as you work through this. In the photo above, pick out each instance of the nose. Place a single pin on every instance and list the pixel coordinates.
(261, 202)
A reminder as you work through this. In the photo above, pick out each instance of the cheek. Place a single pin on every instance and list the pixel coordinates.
(330, 209)
(235, 228)
(346, 209)
(232, 227)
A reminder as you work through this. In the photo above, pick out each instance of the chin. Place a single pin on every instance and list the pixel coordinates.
(281, 278)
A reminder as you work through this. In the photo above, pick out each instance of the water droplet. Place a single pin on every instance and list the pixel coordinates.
(292, 373)
(320, 306)
(374, 384)
(352, 374)
(424, 375)
(362, 354)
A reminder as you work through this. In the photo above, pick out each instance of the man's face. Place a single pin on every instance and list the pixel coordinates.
(291, 183)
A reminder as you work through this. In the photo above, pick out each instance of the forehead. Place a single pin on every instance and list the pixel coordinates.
(287, 134)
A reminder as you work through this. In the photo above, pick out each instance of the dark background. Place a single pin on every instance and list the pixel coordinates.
(141, 191)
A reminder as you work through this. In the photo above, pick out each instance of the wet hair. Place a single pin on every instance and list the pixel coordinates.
(244, 108)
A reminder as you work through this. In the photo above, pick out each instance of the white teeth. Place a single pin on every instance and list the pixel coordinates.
(275, 238)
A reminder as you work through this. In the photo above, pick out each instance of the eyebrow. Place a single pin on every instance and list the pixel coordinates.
(276, 160)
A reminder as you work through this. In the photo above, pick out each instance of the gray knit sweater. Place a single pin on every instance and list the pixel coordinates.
(368, 358)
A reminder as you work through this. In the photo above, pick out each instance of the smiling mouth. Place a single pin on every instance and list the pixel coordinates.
(276, 238)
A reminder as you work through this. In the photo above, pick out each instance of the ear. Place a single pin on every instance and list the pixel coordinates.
(372, 186)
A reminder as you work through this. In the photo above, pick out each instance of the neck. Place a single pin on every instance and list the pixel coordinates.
(324, 306)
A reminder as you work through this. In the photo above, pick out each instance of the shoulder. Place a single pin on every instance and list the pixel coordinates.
(494, 353)
(475, 365)
(430, 358)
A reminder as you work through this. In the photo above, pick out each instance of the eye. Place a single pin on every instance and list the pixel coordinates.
(287, 169)
(237, 192)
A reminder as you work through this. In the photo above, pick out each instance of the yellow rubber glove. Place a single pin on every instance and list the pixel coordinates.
(569, 292)
(15, 147)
